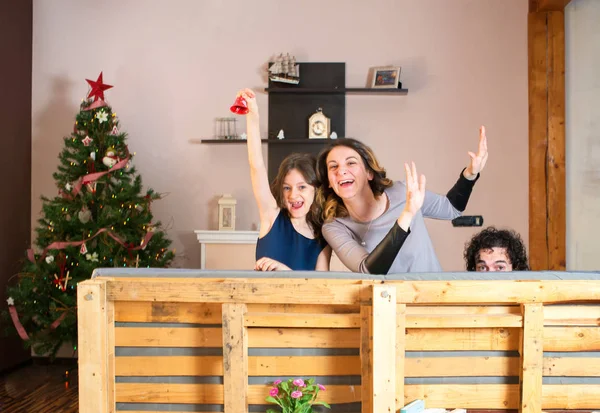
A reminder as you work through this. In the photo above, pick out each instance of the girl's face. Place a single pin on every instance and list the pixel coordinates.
(297, 194)
(346, 172)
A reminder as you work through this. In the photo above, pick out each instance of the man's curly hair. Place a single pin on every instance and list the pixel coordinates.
(492, 237)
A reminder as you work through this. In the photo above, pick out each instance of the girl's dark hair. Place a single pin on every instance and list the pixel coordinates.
(332, 204)
(492, 237)
(304, 163)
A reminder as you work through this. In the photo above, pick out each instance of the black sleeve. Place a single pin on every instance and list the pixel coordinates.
(381, 258)
(459, 194)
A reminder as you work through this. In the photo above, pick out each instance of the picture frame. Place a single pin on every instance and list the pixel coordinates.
(385, 77)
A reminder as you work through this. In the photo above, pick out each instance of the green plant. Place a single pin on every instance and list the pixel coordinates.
(295, 395)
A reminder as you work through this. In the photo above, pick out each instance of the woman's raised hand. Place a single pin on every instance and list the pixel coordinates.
(250, 98)
(479, 159)
(415, 189)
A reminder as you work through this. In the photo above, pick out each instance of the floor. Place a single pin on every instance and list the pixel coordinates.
(39, 389)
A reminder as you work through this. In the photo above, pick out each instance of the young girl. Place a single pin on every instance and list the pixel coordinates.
(290, 220)
(377, 226)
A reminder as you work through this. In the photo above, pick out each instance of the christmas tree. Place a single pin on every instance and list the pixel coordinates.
(100, 218)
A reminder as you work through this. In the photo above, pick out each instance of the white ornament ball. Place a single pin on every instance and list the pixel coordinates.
(84, 215)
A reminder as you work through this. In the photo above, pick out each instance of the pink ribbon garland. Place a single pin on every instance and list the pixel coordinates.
(59, 245)
(21, 330)
(86, 179)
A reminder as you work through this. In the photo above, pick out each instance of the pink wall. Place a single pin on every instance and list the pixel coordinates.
(177, 65)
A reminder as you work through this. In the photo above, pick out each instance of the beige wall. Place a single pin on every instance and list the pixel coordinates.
(177, 65)
(583, 134)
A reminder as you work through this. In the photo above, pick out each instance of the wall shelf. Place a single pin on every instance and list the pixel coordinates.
(363, 90)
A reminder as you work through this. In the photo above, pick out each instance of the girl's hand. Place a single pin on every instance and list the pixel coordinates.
(250, 98)
(479, 159)
(415, 189)
(269, 264)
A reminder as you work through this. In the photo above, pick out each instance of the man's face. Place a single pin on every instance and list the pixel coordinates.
(495, 259)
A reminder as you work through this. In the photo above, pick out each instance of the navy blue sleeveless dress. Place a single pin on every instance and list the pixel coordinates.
(286, 245)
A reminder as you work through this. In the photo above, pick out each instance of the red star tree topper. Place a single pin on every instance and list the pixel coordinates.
(98, 88)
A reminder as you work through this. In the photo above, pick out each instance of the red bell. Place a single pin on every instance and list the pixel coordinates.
(240, 106)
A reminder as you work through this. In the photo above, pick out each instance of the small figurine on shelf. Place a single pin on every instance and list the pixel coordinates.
(280, 135)
(285, 70)
(333, 135)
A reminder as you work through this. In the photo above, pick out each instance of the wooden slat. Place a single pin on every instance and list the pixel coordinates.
(303, 320)
(572, 339)
(384, 348)
(557, 198)
(462, 339)
(366, 358)
(420, 310)
(538, 142)
(257, 337)
(547, 5)
(213, 393)
(189, 290)
(572, 366)
(467, 396)
(168, 337)
(235, 358)
(96, 362)
(153, 312)
(347, 365)
(463, 321)
(400, 355)
(532, 355)
(416, 339)
(565, 315)
(571, 396)
(496, 292)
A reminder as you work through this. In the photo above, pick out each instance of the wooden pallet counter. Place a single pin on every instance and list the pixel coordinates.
(205, 341)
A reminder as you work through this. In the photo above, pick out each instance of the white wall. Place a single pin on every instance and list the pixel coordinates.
(582, 31)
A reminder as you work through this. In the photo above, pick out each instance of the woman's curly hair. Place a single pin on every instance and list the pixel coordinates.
(492, 237)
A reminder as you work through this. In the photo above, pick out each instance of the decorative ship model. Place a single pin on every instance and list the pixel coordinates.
(285, 70)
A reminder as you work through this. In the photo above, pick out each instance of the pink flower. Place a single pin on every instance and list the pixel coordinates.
(273, 392)
(321, 387)
(296, 394)
(276, 382)
(299, 383)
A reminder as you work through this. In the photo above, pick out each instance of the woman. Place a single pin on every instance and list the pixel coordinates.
(290, 221)
(368, 217)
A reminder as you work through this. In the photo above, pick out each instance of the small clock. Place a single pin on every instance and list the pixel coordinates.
(318, 125)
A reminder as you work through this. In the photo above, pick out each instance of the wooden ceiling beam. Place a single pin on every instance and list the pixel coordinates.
(536, 6)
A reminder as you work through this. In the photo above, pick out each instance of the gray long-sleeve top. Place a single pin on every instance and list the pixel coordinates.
(417, 254)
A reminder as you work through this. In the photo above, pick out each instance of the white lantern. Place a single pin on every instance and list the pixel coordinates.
(227, 213)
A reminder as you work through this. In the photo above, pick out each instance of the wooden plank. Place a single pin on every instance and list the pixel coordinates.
(419, 310)
(463, 321)
(213, 393)
(575, 315)
(302, 320)
(547, 5)
(400, 355)
(572, 339)
(570, 366)
(96, 374)
(462, 366)
(384, 348)
(532, 355)
(538, 142)
(571, 396)
(156, 312)
(555, 158)
(496, 292)
(145, 366)
(366, 358)
(238, 291)
(462, 339)
(467, 396)
(416, 339)
(168, 337)
(235, 358)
